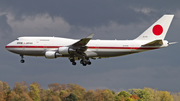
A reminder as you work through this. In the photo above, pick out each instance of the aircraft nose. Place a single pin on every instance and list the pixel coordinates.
(8, 47)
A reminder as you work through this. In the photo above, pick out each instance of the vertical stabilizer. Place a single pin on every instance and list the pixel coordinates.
(158, 30)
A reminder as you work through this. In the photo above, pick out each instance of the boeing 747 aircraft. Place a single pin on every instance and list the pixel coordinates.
(85, 49)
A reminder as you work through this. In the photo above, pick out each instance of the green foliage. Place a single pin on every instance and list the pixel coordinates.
(89, 95)
(124, 94)
(165, 96)
(113, 92)
(71, 97)
(117, 98)
(20, 87)
(34, 92)
(141, 93)
(63, 94)
(7, 91)
(74, 92)
(108, 95)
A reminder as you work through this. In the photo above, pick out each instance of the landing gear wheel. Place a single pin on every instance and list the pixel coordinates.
(22, 61)
(84, 63)
(73, 63)
(81, 62)
(72, 60)
(89, 63)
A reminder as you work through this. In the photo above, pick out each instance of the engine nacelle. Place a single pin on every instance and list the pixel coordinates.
(50, 55)
(65, 50)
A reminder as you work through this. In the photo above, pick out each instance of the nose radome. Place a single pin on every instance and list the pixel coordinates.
(7, 46)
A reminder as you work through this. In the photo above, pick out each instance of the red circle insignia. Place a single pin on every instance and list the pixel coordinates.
(157, 30)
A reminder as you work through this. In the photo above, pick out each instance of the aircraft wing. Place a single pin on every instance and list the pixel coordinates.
(154, 43)
(83, 41)
(80, 46)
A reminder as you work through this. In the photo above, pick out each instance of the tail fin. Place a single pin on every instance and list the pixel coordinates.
(158, 30)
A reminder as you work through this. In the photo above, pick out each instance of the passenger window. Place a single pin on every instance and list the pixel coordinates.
(19, 42)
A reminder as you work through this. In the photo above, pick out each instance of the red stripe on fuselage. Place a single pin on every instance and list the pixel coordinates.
(91, 47)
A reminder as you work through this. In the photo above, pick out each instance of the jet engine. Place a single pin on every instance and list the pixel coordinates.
(50, 54)
(65, 50)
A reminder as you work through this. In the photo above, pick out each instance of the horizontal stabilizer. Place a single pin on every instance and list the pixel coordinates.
(172, 43)
(154, 43)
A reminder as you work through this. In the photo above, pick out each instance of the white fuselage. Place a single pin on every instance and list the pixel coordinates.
(86, 48)
(37, 46)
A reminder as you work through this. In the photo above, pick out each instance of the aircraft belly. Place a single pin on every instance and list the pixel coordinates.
(114, 53)
(30, 52)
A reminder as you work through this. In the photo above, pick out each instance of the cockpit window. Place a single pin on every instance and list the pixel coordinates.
(17, 39)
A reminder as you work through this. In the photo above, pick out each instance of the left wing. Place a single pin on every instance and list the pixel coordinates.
(83, 41)
(80, 46)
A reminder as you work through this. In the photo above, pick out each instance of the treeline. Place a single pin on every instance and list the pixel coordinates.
(73, 92)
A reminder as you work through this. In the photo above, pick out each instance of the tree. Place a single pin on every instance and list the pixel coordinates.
(142, 94)
(77, 90)
(124, 94)
(117, 98)
(42, 94)
(107, 95)
(1, 91)
(6, 90)
(14, 96)
(63, 94)
(98, 96)
(55, 87)
(74, 92)
(37, 84)
(34, 92)
(20, 87)
(1, 86)
(134, 97)
(89, 95)
(56, 98)
(153, 93)
(176, 96)
(71, 97)
(63, 86)
(165, 96)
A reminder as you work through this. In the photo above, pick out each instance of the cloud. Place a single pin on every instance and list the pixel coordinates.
(40, 24)
(113, 30)
(76, 19)
(144, 10)
(5, 28)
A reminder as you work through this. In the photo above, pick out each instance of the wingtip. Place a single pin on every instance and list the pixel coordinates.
(90, 36)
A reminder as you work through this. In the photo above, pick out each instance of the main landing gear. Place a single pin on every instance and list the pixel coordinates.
(83, 61)
(73, 61)
(22, 60)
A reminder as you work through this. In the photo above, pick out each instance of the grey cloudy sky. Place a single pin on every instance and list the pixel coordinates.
(108, 19)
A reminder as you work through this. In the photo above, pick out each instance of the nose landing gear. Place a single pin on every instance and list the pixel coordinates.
(22, 60)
